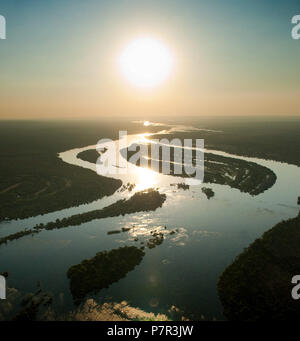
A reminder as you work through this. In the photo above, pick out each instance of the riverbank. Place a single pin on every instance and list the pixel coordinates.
(257, 285)
(148, 200)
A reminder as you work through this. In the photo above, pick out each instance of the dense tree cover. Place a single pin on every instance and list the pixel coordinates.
(257, 285)
(148, 200)
(246, 176)
(107, 267)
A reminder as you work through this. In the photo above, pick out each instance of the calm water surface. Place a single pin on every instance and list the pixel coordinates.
(183, 271)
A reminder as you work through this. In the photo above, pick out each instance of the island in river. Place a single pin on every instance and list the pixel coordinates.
(246, 176)
(148, 200)
(107, 267)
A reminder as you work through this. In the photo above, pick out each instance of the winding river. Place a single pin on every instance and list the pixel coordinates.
(184, 270)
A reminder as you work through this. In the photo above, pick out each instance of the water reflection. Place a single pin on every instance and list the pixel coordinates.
(146, 179)
(212, 231)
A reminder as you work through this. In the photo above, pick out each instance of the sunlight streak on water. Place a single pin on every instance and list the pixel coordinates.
(146, 179)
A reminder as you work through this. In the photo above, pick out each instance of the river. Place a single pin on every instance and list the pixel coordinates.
(184, 270)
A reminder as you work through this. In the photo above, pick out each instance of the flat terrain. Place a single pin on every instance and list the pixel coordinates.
(274, 138)
(33, 180)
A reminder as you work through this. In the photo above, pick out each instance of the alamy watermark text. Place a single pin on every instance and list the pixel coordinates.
(2, 288)
(2, 27)
(296, 28)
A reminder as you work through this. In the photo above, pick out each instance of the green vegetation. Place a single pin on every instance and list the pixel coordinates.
(107, 267)
(246, 176)
(148, 200)
(208, 192)
(257, 285)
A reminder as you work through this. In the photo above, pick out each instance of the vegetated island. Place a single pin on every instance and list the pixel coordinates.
(257, 285)
(148, 200)
(208, 192)
(182, 185)
(107, 267)
(243, 175)
(156, 237)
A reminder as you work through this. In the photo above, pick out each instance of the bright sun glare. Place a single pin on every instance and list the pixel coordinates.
(146, 62)
(146, 179)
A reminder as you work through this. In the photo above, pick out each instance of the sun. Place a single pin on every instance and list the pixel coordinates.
(146, 62)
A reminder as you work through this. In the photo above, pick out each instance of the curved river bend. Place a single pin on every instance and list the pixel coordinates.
(184, 270)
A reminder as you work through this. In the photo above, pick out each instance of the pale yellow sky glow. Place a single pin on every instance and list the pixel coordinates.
(139, 60)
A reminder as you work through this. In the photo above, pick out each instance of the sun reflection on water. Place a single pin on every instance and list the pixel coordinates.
(146, 178)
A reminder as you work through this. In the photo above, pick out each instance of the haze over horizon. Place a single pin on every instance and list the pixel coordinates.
(60, 59)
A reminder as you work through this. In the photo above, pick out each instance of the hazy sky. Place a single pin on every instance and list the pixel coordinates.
(231, 57)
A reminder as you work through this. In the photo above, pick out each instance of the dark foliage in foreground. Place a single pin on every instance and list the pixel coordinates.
(107, 267)
(257, 285)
